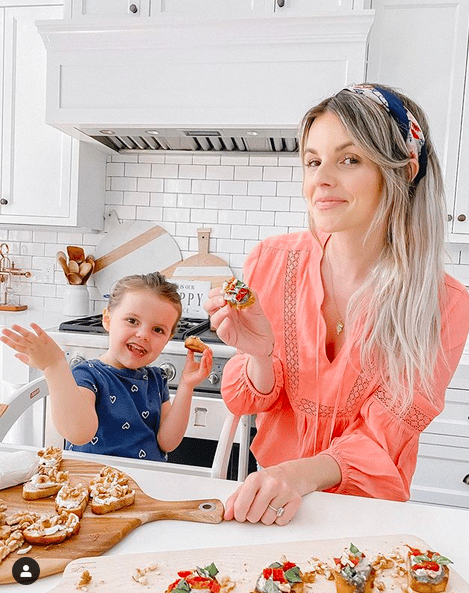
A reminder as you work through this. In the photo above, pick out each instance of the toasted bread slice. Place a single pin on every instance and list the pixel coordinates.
(72, 499)
(195, 344)
(344, 586)
(423, 560)
(52, 529)
(50, 457)
(47, 482)
(106, 502)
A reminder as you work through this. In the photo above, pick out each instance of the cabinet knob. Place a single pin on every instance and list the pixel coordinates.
(462, 217)
(466, 479)
(280, 3)
(450, 217)
(133, 8)
(3, 201)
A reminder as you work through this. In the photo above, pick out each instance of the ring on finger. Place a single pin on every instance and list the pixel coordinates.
(279, 512)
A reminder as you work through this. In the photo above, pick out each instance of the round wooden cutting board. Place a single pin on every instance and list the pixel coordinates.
(133, 248)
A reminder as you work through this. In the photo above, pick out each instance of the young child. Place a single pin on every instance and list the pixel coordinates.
(118, 404)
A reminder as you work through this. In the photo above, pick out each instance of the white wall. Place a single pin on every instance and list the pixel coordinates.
(242, 198)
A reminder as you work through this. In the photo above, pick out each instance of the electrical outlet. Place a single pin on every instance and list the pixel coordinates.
(48, 273)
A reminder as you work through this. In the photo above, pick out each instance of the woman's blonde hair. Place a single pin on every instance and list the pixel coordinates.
(154, 282)
(400, 302)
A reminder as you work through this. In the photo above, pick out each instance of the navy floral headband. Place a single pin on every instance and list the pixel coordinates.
(408, 125)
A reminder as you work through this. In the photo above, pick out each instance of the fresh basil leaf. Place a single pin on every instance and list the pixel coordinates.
(421, 558)
(354, 549)
(293, 575)
(211, 570)
(442, 560)
(276, 565)
(182, 587)
(271, 587)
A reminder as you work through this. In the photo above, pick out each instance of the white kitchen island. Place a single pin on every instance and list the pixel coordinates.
(322, 516)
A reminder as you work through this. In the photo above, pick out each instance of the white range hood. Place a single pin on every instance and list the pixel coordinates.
(193, 84)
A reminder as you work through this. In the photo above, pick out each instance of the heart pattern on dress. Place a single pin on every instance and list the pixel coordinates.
(94, 440)
(142, 454)
(145, 414)
(134, 388)
(126, 426)
(112, 398)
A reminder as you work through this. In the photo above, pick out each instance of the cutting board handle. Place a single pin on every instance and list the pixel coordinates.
(203, 240)
(200, 511)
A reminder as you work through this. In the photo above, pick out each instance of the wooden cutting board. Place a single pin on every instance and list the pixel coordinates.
(242, 564)
(132, 248)
(204, 266)
(99, 533)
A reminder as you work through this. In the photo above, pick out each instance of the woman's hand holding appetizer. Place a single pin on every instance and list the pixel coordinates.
(246, 329)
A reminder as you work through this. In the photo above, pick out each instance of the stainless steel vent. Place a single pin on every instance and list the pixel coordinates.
(197, 140)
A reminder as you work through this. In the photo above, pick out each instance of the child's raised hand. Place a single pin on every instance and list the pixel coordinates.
(36, 349)
(195, 372)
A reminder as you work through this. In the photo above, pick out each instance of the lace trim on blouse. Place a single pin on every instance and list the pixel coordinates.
(415, 418)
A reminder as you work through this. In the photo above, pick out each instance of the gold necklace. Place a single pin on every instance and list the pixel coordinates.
(339, 326)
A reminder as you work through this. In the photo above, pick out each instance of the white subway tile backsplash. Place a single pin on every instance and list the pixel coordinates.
(202, 186)
(262, 188)
(137, 170)
(150, 185)
(162, 171)
(277, 173)
(292, 188)
(219, 172)
(137, 198)
(190, 200)
(177, 186)
(123, 184)
(192, 172)
(235, 188)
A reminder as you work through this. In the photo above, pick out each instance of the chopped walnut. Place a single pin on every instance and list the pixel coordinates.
(50, 456)
(22, 519)
(85, 579)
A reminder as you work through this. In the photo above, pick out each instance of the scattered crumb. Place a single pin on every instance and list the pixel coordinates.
(24, 550)
(85, 579)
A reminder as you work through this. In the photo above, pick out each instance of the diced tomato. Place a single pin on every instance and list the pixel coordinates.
(214, 586)
(278, 575)
(288, 565)
(267, 573)
(414, 551)
(427, 565)
(184, 573)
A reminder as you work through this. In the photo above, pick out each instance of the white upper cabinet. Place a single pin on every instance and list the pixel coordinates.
(421, 48)
(42, 177)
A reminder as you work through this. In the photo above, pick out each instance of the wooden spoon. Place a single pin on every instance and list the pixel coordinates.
(73, 266)
(76, 253)
(62, 260)
(73, 278)
(89, 260)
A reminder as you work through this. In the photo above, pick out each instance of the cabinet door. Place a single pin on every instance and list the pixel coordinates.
(211, 8)
(306, 7)
(460, 213)
(108, 8)
(42, 177)
(35, 177)
(420, 47)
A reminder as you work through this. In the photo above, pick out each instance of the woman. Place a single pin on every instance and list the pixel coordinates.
(356, 330)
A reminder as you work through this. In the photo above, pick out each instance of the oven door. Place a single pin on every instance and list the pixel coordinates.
(198, 446)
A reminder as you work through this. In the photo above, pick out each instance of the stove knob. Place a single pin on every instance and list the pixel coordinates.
(213, 378)
(77, 358)
(169, 370)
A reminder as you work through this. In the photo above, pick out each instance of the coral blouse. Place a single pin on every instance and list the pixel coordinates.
(335, 408)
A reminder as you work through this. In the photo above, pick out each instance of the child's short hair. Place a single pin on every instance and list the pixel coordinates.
(155, 282)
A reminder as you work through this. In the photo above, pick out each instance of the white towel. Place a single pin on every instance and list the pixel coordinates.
(17, 467)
